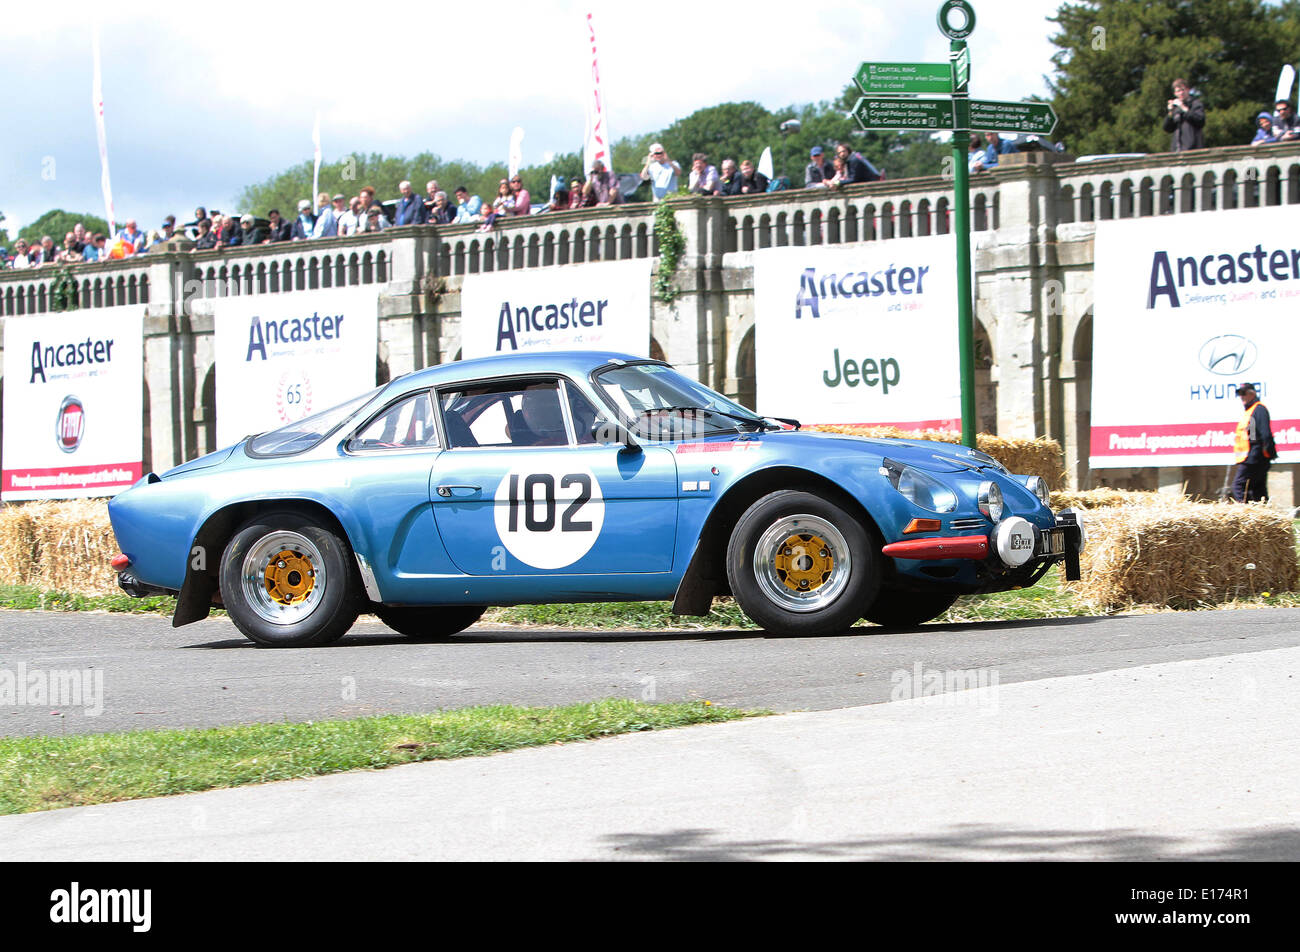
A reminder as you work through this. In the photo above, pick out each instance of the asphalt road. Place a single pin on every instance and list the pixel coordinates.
(207, 674)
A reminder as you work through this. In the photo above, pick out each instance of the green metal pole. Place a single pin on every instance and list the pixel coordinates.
(961, 226)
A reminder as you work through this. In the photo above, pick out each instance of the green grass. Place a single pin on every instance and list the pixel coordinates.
(45, 773)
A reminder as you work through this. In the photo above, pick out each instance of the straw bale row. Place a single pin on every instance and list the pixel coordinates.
(1037, 457)
(58, 546)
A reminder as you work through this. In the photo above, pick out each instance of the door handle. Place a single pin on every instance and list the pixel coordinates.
(446, 489)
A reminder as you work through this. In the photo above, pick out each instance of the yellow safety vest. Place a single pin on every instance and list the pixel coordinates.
(1241, 444)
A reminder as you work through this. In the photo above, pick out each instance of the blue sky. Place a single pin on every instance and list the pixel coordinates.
(195, 110)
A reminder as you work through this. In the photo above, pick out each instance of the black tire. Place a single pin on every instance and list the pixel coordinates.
(441, 621)
(307, 599)
(895, 609)
(767, 583)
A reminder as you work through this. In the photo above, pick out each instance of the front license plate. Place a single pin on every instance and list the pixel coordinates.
(1052, 542)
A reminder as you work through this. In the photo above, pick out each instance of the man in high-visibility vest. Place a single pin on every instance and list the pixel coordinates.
(1253, 447)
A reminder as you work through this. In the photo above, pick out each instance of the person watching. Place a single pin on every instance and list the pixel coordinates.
(660, 171)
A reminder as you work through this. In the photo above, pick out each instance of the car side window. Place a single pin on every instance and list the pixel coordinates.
(583, 414)
(407, 424)
(509, 413)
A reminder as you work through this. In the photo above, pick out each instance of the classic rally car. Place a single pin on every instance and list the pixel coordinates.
(574, 477)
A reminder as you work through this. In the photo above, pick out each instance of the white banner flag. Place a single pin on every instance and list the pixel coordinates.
(1187, 308)
(516, 151)
(73, 403)
(97, 99)
(859, 333)
(284, 357)
(604, 306)
(596, 143)
(315, 175)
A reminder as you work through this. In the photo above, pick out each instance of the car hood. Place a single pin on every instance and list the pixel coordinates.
(203, 462)
(924, 454)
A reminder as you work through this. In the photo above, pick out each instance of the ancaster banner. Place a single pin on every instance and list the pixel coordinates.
(597, 306)
(73, 403)
(863, 333)
(1186, 308)
(284, 357)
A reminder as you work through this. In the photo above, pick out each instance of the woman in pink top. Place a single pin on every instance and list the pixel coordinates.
(520, 195)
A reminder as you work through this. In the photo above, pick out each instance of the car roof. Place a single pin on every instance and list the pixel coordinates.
(573, 363)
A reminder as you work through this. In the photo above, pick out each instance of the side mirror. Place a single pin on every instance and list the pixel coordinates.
(605, 432)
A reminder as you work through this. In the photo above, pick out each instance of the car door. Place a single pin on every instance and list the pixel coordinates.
(524, 489)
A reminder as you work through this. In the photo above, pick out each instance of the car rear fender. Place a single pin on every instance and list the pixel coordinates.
(200, 590)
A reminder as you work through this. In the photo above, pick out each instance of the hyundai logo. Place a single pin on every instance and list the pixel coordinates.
(1228, 355)
(70, 425)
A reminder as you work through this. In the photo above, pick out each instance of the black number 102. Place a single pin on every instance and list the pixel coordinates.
(545, 484)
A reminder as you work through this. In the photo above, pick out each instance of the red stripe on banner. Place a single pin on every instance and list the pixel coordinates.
(906, 424)
(96, 476)
(1166, 439)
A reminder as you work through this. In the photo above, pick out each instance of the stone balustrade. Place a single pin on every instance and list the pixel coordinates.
(1034, 219)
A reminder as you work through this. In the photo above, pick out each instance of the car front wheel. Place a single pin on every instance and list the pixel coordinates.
(289, 582)
(799, 564)
(441, 621)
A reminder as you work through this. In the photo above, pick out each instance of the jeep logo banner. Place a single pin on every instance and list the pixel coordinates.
(860, 333)
(1186, 308)
(73, 403)
(284, 357)
(599, 306)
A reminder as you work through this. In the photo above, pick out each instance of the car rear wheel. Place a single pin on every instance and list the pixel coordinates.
(289, 582)
(800, 564)
(894, 608)
(430, 622)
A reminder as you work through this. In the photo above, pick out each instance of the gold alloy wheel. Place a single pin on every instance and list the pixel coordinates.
(289, 577)
(283, 577)
(804, 562)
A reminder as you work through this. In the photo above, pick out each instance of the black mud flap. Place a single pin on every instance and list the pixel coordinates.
(1072, 573)
(195, 600)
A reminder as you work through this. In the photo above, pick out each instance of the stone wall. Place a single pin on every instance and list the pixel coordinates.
(1034, 219)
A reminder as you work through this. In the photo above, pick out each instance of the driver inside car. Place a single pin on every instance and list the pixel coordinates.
(539, 421)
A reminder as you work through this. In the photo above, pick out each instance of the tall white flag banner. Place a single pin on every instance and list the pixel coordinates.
(73, 403)
(604, 306)
(765, 163)
(284, 357)
(315, 175)
(1186, 308)
(97, 99)
(596, 142)
(516, 150)
(858, 334)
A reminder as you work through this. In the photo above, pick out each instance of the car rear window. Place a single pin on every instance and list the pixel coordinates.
(302, 435)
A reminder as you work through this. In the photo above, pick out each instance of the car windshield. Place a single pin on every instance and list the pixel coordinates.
(303, 434)
(659, 403)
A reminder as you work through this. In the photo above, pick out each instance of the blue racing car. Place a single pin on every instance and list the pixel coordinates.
(576, 477)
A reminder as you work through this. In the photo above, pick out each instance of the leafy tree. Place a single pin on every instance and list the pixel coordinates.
(56, 223)
(4, 233)
(1117, 59)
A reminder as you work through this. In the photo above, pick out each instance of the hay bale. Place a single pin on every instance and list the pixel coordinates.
(1041, 456)
(1098, 498)
(58, 546)
(1179, 554)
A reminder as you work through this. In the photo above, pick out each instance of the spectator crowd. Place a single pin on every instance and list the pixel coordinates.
(339, 215)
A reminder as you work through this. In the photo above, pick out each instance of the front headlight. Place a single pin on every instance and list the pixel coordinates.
(990, 500)
(1038, 486)
(920, 488)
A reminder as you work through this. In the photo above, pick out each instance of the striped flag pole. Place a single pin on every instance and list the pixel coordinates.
(596, 141)
(97, 98)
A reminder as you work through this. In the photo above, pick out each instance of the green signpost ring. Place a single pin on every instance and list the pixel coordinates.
(965, 27)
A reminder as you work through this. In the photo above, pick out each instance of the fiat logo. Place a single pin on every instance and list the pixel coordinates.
(70, 426)
(1228, 355)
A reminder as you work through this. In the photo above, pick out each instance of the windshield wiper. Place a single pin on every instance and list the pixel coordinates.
(752, 421)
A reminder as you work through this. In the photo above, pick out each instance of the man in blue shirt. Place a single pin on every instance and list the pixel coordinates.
(996, 147)
(410, 209)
